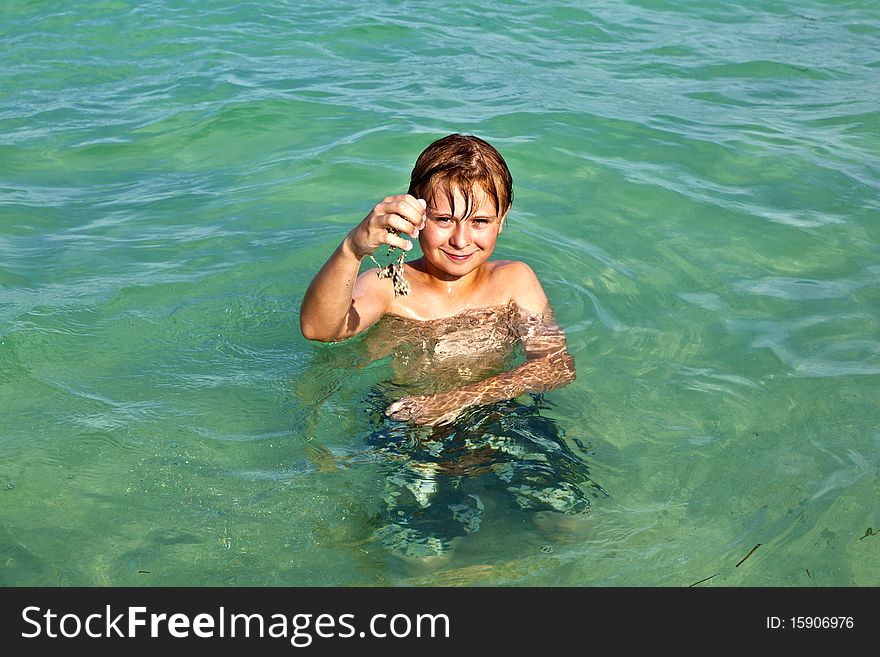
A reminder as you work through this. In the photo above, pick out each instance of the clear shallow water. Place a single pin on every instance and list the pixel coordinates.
(697, 187)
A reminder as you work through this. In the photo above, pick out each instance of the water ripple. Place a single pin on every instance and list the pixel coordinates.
(696, 187)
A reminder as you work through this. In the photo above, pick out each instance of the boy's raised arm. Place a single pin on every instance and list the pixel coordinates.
(339, 304)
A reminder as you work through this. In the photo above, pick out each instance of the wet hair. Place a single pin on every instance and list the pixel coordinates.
(462, 161)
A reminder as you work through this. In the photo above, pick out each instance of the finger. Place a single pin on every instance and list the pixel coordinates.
(421, 206)
(417, 204)
(401, 225)
(395, 229)
(408, 207)
(401, 413)
(424, 205)
(396, 241)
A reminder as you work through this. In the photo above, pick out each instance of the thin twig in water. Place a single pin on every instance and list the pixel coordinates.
(704, 580)
(748, 555)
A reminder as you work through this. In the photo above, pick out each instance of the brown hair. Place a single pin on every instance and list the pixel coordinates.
(462, 161)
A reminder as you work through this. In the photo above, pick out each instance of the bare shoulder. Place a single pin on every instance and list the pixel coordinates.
(368, 284)
(525, 288)
(511, 268)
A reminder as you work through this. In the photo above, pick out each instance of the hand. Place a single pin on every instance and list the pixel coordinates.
(428, 409)
(394, 217)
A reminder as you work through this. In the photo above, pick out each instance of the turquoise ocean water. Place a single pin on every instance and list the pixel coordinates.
(697, 186)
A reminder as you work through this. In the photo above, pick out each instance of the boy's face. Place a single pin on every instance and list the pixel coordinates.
(456, 245)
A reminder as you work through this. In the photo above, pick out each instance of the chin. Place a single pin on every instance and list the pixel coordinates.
(449, 269)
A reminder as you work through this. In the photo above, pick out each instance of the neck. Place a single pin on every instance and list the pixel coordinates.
(448, 284)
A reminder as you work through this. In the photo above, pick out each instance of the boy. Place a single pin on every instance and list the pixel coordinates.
(459, 195)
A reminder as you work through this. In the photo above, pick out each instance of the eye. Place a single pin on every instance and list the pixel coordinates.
(443, 220)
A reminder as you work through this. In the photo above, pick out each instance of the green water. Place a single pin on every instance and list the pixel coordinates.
(696, 186)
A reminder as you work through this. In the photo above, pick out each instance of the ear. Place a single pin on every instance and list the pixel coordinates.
(503, 218)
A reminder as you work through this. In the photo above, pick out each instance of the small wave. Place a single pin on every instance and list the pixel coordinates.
(795, 289)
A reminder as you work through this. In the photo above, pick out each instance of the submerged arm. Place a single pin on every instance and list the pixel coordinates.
(548, 365)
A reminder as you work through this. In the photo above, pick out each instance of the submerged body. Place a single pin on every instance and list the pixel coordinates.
(473, 345)
(441, 354)
(439, 481)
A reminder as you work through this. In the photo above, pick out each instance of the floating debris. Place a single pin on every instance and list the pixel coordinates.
(748, 555)
(705, 579)
(870, 532)
(394, 270)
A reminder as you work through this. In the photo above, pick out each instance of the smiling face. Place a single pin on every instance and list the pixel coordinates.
(457, 239)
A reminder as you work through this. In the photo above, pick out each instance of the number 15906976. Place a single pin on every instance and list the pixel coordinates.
(810, 623)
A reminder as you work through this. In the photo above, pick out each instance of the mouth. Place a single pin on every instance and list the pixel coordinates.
(458, 257)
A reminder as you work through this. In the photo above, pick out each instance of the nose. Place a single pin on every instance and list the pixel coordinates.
(460, 236)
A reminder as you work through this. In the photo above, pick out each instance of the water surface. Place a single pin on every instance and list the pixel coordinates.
(696, 187)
